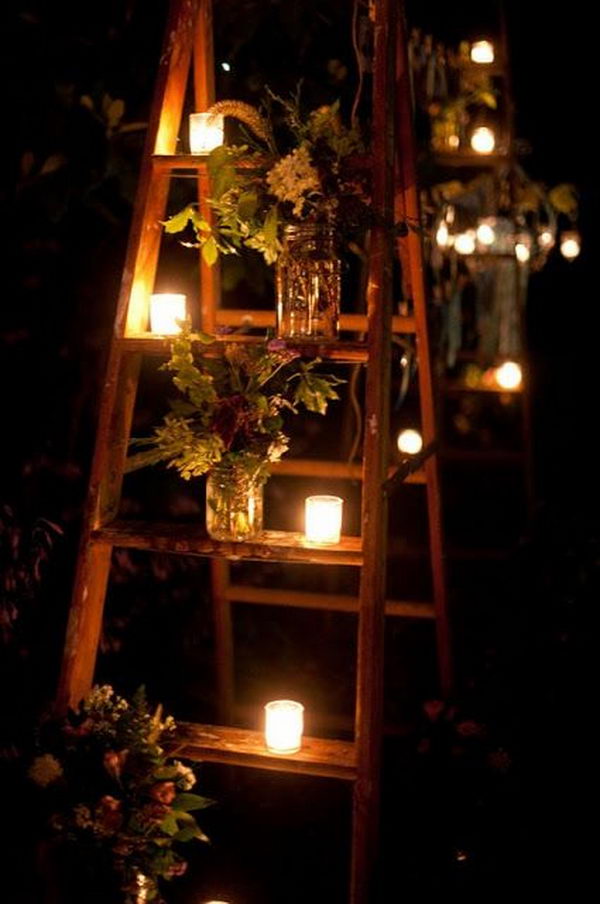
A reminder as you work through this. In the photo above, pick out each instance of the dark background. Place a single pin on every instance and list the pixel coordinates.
(67, 190)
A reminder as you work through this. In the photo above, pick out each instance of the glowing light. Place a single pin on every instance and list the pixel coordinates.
(165, 310)
(410, 442)
(284, 724)
(323, 519)
(486, 234)
(522, 252)
(442, 235)
(453, 141)
(206, 132)
(482, 52)
(570, 245)
(546, 239)
(226, 67)
(464, 243)
(509, 375)
(450, 212)
(483, 140)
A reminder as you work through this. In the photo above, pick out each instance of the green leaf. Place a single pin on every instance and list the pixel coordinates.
(210, 252)
(179, 221)
(169, 825)
(270, 227)
(186, 802)
(247, 205)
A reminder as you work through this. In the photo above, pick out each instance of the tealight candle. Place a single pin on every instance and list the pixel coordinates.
(165, 310)
(206, 132)
(483, 140)
(464, 243)
(482, 52)
(284, 723)
(323, 519)
(410, 442)
(509, 375)
(570, 244)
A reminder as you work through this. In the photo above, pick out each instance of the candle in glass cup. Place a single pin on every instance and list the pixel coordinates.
(206, 132)
(284, 723)
(165, 310)
(482, 52)
(323, 519)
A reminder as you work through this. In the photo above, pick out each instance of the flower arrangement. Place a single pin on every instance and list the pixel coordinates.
(297, 173)
(232, 406)
(113, 790)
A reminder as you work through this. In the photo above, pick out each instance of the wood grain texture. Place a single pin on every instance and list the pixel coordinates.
(241, 747)
(351, 323)
(191, 539)
(330, 602)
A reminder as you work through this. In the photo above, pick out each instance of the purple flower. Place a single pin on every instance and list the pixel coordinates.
(277, 345)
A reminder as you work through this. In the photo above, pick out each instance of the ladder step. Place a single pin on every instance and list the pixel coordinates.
(241, 747)
(354, 323)
(452, 387)
(341, 470)
(331, 602)
(465, 158)
(191, 539)
(345, 352)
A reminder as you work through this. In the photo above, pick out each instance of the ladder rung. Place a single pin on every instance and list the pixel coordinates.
(459, 158)
(191, 539)
(341, 470)
(331, 602)
(355, 323)
(167, 163)
(454, 386)
(241, 747)
(347, 352)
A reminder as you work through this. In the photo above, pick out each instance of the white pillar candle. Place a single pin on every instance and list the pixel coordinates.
(323, 519)
(284, 723)
(165, 310)
(482, 52)
(206, 132)
(483, 140)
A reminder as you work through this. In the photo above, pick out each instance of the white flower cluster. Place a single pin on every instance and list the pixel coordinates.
(294, 178)
(103, 697)
(185, 776)
(45, 769)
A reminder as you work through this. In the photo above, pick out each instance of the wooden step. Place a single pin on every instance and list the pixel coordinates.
(338, 470)
(344, 352)
(192, 540)
(331, 602)
(467, 158)
(352, 323)
(241, 747)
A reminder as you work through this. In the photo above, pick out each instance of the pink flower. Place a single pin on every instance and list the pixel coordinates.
(163, 792)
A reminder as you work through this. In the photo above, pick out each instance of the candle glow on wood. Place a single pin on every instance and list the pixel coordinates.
(206, 132)
(284, 724)
(323, 519)
(165, 310)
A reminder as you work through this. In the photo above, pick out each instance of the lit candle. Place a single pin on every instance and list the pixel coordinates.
(509, 375)
(206, 132)
(284, 723)
(546, 239)
(464, 243)
(323, 519)
(442, 235)
(483, 140)
(165, 310)
(410, 442)
(570, 244)
(486, 234)
(482, 52)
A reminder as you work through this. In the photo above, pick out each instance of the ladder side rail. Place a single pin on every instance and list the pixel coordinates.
(371, 619)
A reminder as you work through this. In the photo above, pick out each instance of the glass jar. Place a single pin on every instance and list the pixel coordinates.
(308, 283)
(234, 504)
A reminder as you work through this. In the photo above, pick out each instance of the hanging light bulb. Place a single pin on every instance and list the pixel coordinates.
(570, 244)
(410, 442)
(509, 375)
(483, 140)
(546, 239)
(464, 243)
(482, 52)
(486, 234)
(442, 236)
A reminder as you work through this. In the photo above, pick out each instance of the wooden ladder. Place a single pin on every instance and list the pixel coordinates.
(189, 42)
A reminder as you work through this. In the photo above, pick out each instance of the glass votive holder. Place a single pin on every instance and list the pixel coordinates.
(165, 310)
(206, 132)
(284, 724)
(323, 519)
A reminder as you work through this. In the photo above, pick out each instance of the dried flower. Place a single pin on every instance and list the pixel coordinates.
(45, 769)
(163, 792)
(186, 778)
(294, 178)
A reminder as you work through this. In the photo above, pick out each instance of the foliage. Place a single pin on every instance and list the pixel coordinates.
(22, 556)
(112, 788)
(232, 406)
(298, 172)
